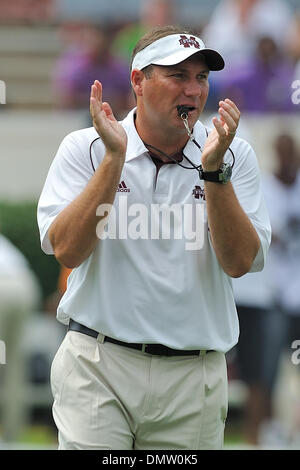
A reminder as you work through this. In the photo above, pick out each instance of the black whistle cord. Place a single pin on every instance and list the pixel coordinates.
(192, 167)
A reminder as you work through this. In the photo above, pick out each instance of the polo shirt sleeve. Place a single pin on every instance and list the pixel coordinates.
(246, 181)
(68, 175)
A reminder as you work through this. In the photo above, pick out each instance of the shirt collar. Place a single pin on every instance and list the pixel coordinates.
(136, 147)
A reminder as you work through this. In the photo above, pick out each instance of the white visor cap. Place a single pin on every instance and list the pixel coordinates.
(175, 48)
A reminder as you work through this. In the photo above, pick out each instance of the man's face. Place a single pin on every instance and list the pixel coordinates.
(170, 86)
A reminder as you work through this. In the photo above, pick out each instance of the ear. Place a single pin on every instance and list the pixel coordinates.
(137, 78)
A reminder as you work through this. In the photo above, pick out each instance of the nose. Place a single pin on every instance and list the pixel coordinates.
(193, 88)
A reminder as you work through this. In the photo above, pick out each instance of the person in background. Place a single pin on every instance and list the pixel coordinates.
(282, 195)
(294, 46)
(52, 301)
(254, 298)
(293, 43)
(20, 296)
(263, 84)
(77, 69)
(63, 279)
(246, 21)
(152, 13)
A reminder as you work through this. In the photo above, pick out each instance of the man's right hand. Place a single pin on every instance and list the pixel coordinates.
(73, 234)
(110, 130)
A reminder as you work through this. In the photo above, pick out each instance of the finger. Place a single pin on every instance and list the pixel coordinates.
(232, 110)
(233, 105)
(93, 97)
(222, 120)
(93, 91)
(229, 121)
(219, 127)
(98, 86)
(96, 91)
(108, 111)
(96, 98)
(95, 105)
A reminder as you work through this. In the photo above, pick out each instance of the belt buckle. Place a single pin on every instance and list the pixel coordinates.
(145, 348)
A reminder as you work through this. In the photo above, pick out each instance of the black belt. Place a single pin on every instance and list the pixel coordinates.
(155, 349)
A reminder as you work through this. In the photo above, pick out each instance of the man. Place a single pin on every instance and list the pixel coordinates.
(151, 313)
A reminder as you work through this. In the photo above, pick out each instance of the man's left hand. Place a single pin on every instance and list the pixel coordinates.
(221, 137)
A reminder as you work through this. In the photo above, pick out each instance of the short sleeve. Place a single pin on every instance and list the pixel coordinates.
(68, 175)
(246, 181)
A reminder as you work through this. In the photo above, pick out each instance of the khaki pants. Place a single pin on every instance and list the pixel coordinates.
(111, 397)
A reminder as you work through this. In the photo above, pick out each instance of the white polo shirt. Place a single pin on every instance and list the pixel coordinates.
(151, 279)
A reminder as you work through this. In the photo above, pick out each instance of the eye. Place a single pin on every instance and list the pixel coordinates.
(178, 75)
(202, 77)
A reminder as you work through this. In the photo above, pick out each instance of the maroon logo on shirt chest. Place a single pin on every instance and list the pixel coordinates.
(198, 193)
(189, 42)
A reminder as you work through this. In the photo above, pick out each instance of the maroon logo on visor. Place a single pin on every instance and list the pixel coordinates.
(189, 41)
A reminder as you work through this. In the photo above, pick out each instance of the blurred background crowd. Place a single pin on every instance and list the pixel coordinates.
(50, 53)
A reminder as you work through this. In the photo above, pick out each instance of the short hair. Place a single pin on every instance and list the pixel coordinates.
(152, 36)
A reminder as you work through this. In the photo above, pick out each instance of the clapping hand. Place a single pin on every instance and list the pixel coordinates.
(220, 138)
(110, 130)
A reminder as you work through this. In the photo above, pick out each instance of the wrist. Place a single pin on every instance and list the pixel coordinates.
(115, 158)
(211, 166)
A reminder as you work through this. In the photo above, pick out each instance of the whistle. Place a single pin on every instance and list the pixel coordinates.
(183, 111)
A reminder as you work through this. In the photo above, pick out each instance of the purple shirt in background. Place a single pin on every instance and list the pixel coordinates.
(257, 87)
(75, 73)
